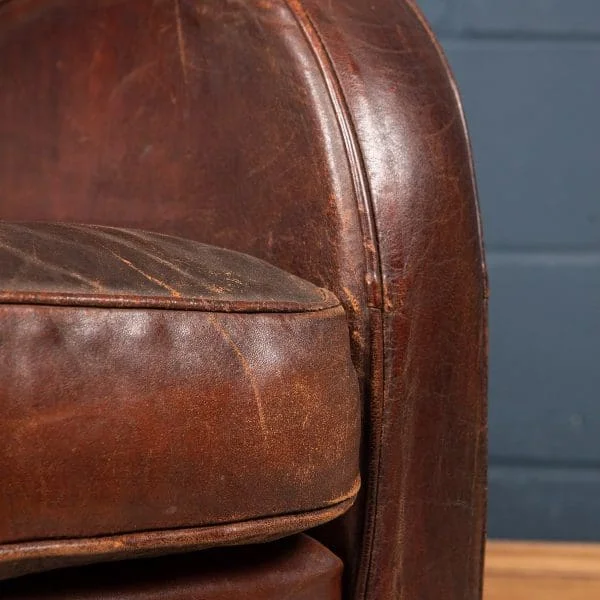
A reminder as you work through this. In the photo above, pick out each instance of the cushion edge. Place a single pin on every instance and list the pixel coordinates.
(24, 558)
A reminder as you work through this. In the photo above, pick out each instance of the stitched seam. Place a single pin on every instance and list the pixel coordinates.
(362, 194)
(179, 305)
(350, 496)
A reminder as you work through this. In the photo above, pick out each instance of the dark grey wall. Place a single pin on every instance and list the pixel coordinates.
(529, 73)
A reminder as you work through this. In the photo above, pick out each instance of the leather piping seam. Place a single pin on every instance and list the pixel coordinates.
(341, 502)
(156, 303)
(354, 156)
(369, 232)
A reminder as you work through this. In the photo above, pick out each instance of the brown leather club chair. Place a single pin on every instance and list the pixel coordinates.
(197, 409)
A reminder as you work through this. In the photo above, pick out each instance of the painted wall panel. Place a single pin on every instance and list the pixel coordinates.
(533, 109)
(529, 74)
(443, 15)
(513, 17)
(544, 503)
(545, 357)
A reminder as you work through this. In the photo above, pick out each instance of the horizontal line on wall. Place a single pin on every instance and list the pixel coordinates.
(518, 36)
(556, 464)
(545, 258)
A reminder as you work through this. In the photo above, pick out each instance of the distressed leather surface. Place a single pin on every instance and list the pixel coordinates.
(328, 139)
(296, 568)
(86, 265)
(425, 520)
(143, 425)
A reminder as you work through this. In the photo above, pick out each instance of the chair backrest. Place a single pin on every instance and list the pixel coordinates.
(327, 138)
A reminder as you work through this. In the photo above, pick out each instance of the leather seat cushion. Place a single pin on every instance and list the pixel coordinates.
(296, 568)
(157, 394)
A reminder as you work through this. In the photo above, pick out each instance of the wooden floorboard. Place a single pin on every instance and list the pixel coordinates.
(536, 571)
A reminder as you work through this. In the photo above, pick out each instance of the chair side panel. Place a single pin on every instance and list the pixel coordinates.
(425, 524)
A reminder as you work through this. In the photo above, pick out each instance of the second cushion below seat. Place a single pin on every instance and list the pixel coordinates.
(295, 568)
(159, 394)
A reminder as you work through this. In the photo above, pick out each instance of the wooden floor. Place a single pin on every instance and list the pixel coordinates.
(536, 571)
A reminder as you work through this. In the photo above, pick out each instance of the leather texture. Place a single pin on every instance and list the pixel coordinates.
(223, 421)
(327, 138)
(86, 265)
(296, 568)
